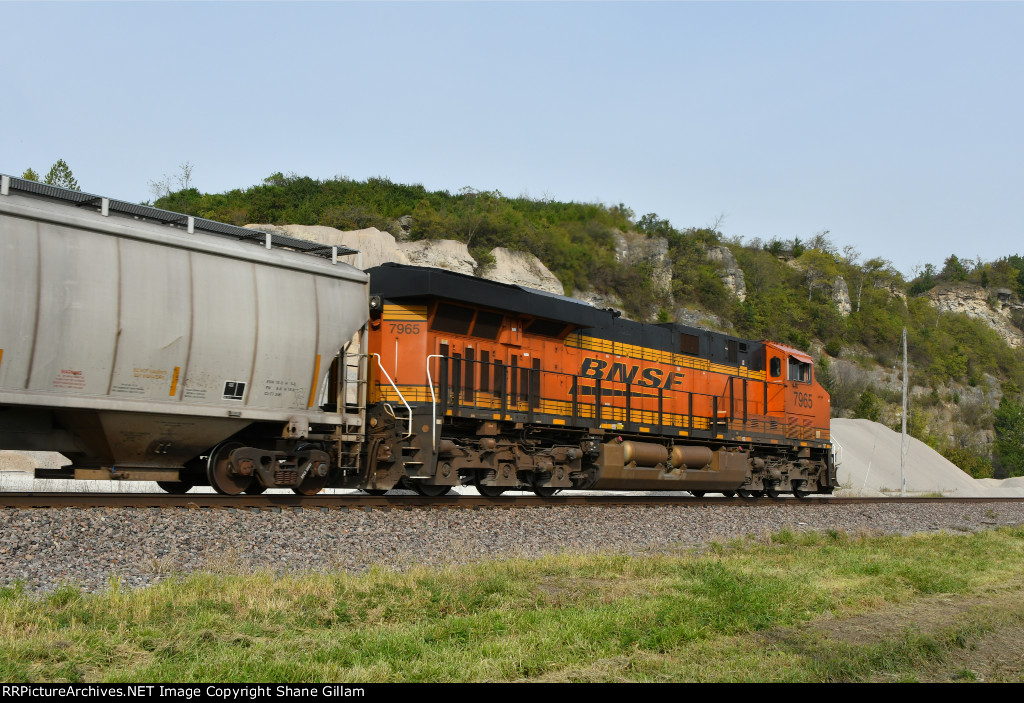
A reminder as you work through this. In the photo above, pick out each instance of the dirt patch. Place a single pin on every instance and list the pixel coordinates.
(977, 638)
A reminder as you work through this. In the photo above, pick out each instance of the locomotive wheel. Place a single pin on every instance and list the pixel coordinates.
(545, 491)
(489, 491)
(744, 493)
(430, 491)
(697, 494)
(375, 491)
(217, 470)
(175, 487)
(799, 493)
(772, 490)
(728, 494)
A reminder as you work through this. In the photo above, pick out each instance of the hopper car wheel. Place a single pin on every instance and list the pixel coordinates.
(219, 473)
(489, 491)
(175, 487)
(255, 488)
(545, 491)
(375, 491)
(430, 491)
(728, 494)
(697, 494)
(313, 482)
(311, 485)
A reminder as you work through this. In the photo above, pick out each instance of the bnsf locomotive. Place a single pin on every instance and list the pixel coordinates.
(146, 345)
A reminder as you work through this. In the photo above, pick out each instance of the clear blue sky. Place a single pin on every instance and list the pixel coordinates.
(896, 126)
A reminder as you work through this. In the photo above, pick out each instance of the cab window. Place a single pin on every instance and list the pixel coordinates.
(799, 370)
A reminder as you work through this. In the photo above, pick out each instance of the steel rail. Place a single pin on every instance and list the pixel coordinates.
(409, 502)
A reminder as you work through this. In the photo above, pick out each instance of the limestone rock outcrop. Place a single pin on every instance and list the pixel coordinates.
(841, 296)
(973, 301)
(729, 271)
(633, 249)
(602, 301)
(522, 269)
(376, 247)
(440, 253)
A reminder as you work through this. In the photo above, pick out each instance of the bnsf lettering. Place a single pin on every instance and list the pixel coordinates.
(651, 377)
(620, 373)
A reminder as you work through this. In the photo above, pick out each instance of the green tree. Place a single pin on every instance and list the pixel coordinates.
(869, 406)
(30, 175)
(1009, 444)
(925, 282)
(60, 175)
(953, 269)
(820, 270)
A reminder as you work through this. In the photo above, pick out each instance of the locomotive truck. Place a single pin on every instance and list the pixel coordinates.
(149, 345)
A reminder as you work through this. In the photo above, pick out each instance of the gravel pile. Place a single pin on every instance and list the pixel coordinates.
(44, 548)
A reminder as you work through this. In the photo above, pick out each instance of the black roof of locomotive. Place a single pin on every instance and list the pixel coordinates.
(401, 281)
(397, 281)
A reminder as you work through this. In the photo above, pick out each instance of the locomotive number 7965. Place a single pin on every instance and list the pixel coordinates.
(804, 400)
(405, 328)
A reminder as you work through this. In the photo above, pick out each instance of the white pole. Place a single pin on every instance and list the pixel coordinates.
(903, 435)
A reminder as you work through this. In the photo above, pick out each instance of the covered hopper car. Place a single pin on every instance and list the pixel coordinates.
(147, 345)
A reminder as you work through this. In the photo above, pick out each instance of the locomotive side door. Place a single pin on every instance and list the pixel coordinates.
(775, 384)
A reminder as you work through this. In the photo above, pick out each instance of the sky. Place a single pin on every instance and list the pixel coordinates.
(897, 127)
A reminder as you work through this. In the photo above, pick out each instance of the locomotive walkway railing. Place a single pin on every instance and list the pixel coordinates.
(471, 387)
(457, 385)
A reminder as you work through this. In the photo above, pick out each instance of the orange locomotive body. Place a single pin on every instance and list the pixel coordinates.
(503, 387)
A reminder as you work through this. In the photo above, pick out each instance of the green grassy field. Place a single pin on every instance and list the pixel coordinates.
(792, 608)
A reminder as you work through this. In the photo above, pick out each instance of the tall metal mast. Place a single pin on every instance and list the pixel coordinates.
(903, 435)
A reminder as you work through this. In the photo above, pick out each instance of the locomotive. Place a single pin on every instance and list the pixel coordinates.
(149, 345)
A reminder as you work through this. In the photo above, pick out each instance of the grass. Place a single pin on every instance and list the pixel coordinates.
(797, 607)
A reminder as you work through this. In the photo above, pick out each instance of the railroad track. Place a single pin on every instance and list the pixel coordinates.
(413, 502)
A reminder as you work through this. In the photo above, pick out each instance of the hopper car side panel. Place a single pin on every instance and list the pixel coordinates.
(136, 347)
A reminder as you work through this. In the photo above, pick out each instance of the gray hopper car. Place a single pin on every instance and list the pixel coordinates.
(137, 342)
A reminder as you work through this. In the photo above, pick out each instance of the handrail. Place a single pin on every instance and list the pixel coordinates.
(433, 404)
(400, 396)
(726, 411)
(837, 453)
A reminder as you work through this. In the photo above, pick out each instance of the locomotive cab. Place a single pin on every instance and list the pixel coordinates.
(796, 394)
